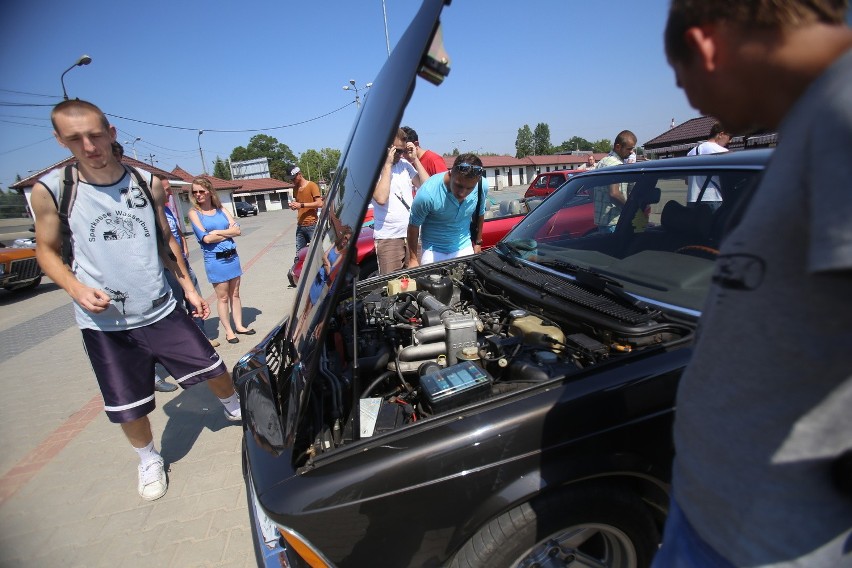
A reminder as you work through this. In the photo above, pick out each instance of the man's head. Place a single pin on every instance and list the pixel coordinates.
(590, 161)
(411, 135)
(399, 144)
(718, 134)
(718, 48)
(296, 174)
(167, 186)
(624, 144)
(465, 174)
(83, 128)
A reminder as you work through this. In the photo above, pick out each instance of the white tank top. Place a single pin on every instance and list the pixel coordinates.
(114, 243)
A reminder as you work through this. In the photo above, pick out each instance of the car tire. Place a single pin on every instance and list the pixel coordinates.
(601, 524)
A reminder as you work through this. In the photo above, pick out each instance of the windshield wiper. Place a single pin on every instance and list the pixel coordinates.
(598, 283)
(510, 252)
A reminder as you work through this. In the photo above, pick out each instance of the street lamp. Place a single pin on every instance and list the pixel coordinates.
(201, 153)
(133, 146)
(84, 60)
(351, 87)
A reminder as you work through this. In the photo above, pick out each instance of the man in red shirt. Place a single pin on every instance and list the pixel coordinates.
(432, 162)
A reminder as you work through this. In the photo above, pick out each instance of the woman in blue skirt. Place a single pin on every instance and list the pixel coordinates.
(215, 229)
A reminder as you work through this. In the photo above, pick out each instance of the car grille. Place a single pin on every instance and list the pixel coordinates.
(25, 269)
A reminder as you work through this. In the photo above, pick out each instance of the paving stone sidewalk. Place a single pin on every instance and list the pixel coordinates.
(68, 476)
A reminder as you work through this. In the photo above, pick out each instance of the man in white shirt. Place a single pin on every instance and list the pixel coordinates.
(715, 144)
(392, 203)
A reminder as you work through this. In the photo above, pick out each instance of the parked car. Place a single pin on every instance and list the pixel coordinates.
(19, 269)
(499, 218)
(512, 408)
(544, 184)
(244, 208)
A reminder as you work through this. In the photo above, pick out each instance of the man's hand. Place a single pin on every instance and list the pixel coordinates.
(294, 205)
(91, 299)
(391, 155)
(202, 309)
(411, 152)
(477, 248)
(413, 262)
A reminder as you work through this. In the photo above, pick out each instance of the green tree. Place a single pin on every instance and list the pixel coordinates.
(456, 152)
(221, 169)
(13, 205)
(318, 164)
(573, 144)
(603, 145)
(524, 142)
(541, 140)
(281, 158)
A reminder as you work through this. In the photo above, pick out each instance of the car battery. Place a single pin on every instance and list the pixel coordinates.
(455, 386)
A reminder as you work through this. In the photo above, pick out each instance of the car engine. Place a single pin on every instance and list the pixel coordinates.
(443, 339)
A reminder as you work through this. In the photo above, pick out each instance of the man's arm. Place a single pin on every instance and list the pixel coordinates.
(615, 194)
(477, 244)
(382, 191)
(48, 253)
(172, 255)
(414, 160)
(316, 203)
(412, 240)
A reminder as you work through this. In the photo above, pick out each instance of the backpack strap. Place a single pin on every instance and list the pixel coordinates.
(67, 195)
(475, 237)
(140, 181)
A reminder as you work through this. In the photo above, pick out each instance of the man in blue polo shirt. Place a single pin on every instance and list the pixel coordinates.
(442, 211)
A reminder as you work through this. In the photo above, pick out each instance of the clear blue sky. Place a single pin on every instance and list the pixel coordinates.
(584, 68)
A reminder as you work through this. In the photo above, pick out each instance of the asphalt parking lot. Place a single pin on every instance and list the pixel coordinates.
(68, 476)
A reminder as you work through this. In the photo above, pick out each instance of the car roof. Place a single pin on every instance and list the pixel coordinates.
(742, 158)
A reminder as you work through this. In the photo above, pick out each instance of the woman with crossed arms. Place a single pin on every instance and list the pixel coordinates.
(215, 229)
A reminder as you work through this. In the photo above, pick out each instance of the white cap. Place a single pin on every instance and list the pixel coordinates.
(295, 171)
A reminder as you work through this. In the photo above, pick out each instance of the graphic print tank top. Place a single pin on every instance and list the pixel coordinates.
(115, 250)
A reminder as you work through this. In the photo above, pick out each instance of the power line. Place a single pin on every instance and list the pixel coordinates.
(233, 131)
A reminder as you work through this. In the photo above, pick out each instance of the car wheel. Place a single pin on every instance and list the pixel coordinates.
(26, 286)
(598, 525)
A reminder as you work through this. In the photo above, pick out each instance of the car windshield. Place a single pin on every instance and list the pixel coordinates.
(660, 244)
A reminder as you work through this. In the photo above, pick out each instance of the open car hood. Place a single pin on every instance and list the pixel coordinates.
(330, 265)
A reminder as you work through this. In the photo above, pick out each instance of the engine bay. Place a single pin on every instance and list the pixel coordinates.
(439, 340)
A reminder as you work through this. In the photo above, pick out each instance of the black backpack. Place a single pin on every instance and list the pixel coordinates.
(67, 195)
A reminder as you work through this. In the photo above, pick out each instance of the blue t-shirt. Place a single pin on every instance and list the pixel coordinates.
(444, 222)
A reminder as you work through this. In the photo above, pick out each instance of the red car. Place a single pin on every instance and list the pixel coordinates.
(544, 184)
(499, 220)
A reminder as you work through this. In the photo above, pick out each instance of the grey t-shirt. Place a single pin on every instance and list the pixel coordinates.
(766, 403)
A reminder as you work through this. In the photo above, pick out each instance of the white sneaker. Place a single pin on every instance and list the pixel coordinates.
(152, 480)
(235, 417)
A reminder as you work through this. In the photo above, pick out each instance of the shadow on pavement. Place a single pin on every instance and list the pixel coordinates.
(189, 413)
(211, 324)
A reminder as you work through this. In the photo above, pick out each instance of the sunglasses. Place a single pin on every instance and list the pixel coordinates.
(198, 192)
(469, 170)
(399, 151)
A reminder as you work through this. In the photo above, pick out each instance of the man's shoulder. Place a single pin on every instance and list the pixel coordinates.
(609, 160)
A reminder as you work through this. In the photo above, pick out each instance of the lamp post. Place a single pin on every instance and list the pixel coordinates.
(351, 87)
(133, 146)
(84, 60)
(201, 153)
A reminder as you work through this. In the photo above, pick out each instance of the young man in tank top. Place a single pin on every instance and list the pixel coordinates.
(123, 304)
